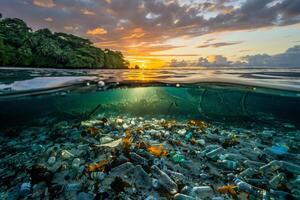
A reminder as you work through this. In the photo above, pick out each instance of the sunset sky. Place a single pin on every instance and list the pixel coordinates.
(155, 33)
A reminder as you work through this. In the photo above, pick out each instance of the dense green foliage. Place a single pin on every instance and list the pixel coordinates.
(20, 46)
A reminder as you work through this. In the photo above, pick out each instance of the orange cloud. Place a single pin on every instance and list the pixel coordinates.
(44, 3)
(87, 12)
(97, 31)
(136, 33)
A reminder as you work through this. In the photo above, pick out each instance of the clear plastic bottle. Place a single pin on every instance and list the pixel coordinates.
(246, 187)
(276, 180)
(202, 191)
(271, 166)
(214, 153)
(247, 172)
(179, 196)
(291, 167)
(138, 159)
(228, 164)
(164, 180)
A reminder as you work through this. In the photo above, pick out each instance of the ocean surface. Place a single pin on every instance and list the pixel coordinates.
(46, 112)
(205, 92)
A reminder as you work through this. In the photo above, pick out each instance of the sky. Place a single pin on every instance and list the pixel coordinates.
(156, 33)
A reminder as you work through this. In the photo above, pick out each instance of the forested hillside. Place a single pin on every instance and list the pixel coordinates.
(21, 46)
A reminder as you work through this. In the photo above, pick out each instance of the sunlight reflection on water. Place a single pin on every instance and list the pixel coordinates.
(16, 79)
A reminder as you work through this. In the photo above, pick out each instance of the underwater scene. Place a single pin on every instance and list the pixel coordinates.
(150, 134)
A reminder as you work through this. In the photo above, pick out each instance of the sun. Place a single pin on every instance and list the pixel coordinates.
(145, 62)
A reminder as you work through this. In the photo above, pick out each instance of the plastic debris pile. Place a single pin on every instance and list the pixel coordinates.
(139, 158)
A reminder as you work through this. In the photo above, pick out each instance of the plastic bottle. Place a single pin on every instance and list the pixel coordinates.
(271, 166)
(155, 183)
(156, 161)
(141, 177)
(66, 154)
(175, 175)
(51, 160)
(291, 167)
(76, 163)
(217, 198)
(258, 181)
(234, 156)
(210, 148)
(202, 191)
(73, 187)
(121, 169)
(253, 164)
(25, 189)
(275, 181)
(214, 153)
(98, 175)
(247, 172)
(229, 164)
(189, 136)
(179, 196)
(178, 158)
(278, 194)
(164, 180)
(186, 190)
(246, 187)
(150, 198)
(138, 159)
(297, 180)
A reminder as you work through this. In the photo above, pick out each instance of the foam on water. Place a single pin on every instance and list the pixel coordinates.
(20, 79)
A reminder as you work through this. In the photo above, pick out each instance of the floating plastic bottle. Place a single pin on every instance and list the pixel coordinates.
(164, 180)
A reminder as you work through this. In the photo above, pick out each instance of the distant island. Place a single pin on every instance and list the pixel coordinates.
(20, 46)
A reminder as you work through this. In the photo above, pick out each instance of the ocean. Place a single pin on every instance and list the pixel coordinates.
(170, 133)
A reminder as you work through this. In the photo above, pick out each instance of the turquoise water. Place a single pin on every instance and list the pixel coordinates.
(45, 112)
(214, 94)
